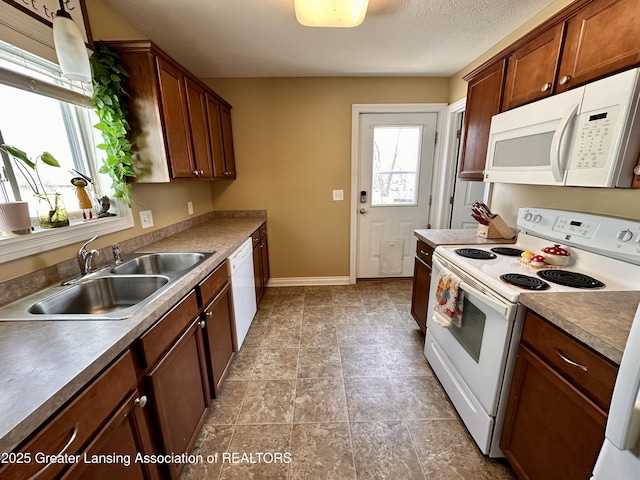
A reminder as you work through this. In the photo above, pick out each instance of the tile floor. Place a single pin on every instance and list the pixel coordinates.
(334, 376)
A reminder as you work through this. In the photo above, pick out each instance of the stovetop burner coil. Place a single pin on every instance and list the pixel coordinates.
(508, 251)
(570, 279)
(524, 281)
(475, 253)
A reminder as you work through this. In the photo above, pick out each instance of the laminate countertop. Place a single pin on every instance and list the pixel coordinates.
(460, 236)
(45, 364)
(600, 320)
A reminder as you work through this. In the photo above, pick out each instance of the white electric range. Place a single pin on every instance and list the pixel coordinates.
(474, 363)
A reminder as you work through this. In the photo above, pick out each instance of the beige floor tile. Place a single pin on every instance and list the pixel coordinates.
(213, 441)
(318, 298)
(371, 399)
(319, 362)
(446, 450)
(321, 451)
(350, 314)
(243, 363)
(405, 360)
(282, 336)
(255, 336)
(319, 335)
(362, 361)
(284, 316)
(421, 398)
(268, 401)
(393, 334)
(318, 315)
(226, 407)
(276, 364)
(255, 447)
(355, 334)
(383, 450)
(320, 400)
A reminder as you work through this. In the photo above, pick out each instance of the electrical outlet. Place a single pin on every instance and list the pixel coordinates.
(190, 207)
(146, 218)
(338, 195)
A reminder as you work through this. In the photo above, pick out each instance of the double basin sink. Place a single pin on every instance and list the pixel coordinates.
(108, 294)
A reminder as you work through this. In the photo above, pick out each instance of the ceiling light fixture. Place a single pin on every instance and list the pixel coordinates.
(70, 48)
(330, 13)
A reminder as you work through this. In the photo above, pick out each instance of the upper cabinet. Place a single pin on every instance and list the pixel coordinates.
(588, 40)
(178, 124)
(602, 38)
(484, 95)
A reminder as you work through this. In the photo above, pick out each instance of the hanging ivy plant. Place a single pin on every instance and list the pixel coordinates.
(108, 101)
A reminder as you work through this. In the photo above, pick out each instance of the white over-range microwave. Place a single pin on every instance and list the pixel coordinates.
(585, 137)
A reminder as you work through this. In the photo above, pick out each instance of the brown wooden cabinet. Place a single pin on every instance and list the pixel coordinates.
(601, 39)
(532, 69)
(180, 128)
(220, 335)
(260, 260)
(557, 410)
(421, 284)
(177, 379)
(484, 94)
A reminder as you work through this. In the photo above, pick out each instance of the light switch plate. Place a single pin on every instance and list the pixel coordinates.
(338, 195)
(146, 218)
(190, 207)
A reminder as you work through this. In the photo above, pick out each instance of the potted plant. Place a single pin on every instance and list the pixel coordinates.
(52, 214)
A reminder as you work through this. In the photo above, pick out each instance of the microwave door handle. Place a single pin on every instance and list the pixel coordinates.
(557, 163)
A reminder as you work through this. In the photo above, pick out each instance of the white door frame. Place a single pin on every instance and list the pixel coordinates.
(356, 111)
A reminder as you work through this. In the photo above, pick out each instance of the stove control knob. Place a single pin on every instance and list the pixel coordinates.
(624, 235)
(528, 216)
(537, 218)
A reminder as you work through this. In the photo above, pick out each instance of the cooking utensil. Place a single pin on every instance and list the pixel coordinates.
(479, 219)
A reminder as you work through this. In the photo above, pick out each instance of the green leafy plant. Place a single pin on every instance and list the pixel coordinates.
(108, 101)
(25, 165)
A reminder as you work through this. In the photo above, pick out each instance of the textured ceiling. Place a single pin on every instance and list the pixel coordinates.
(261, 38)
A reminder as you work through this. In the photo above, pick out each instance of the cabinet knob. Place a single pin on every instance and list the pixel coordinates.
(203, 324)
(637, 170)
(546, 87)
(564, 79)
(195, 172)
(201, 172)
(209, 314)
(140, 401)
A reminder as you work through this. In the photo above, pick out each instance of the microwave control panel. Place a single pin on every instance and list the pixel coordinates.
(593, 138)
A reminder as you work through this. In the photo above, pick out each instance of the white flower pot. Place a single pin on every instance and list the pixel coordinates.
(14, 218)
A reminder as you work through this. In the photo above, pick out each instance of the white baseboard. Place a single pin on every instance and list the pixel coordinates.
(307, 281)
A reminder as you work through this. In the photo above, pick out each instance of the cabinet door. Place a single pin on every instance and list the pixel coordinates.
(219, 333)
(227, 140)
(199, 131)
(420, 293)
(180, 394)
(531, 70)
(264, 256)
(257, 271)
(176, 120)
(215, 136)
(484, 94)
(551, 430)
(125, 436)
(601, 39)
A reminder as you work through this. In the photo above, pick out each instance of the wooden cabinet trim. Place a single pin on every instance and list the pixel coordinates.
(215, 281)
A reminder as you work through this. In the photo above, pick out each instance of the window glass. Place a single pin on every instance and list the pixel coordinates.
(396, 161)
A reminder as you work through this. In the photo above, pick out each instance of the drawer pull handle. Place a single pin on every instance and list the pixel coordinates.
(564, 79)
(546, 87)
(569, 361)
(141, 401)
(74, 434)
(424, 253)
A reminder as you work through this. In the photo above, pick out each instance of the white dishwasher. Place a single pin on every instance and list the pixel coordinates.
(243, 288)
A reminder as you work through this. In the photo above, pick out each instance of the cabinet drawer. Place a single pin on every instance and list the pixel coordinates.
(263, 230)
(590, 373)
(424, 252)
(211, 285)
(68, 431)
(255, 238)
(162, 335)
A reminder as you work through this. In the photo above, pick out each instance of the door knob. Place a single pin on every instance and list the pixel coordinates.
(363, 211)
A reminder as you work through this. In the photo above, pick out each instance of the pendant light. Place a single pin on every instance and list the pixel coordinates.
(330, 13)
(70, 48)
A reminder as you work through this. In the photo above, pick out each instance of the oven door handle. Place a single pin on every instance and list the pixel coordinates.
(505, 309)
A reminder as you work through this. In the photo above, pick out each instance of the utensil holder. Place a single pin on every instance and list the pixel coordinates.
(497, 228)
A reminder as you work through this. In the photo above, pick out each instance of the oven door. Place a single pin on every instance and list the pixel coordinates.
(476, 351)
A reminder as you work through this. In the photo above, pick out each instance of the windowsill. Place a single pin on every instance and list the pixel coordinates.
(12, 248)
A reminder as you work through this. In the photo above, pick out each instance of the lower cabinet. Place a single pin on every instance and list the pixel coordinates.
(260, 260)
(421, 284)
(556, 414)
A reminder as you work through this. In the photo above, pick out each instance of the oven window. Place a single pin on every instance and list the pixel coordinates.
(470, 334)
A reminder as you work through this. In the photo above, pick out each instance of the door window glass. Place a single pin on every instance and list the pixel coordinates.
(396, 161)
(470, 334)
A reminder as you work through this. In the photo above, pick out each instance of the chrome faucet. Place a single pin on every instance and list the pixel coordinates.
(116, 253)
(85, 258)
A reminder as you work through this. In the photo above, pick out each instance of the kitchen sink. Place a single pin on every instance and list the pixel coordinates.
(166, 263)
(99, 296)
(112, 293)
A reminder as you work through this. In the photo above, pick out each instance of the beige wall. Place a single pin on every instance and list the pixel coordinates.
(506, 199)
(293, 147)
(168, 202)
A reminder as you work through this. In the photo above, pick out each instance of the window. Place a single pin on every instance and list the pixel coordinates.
(41, 111)
(396, 158)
